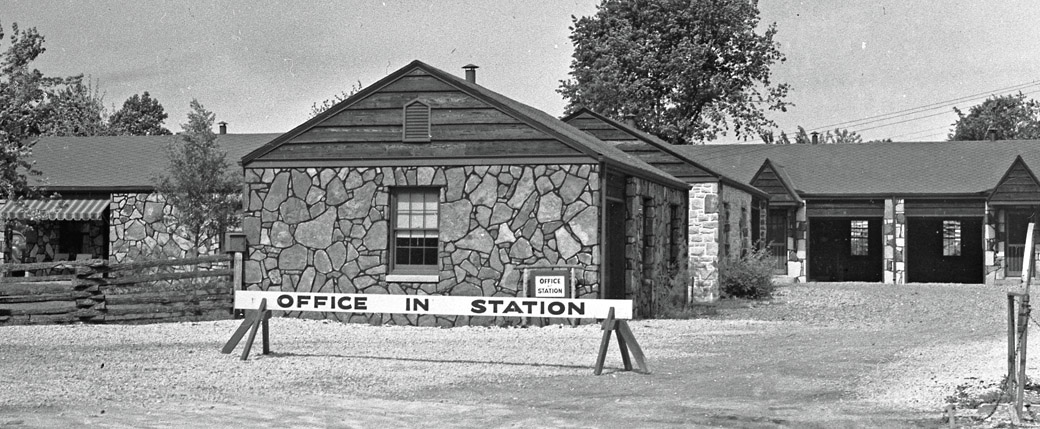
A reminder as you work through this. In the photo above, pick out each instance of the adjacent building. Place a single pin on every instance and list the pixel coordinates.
(891, 212)
(99, 200)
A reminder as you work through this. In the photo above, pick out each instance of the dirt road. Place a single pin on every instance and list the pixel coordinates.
(817, 356)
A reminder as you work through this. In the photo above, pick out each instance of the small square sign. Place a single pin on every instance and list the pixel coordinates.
(550, 284)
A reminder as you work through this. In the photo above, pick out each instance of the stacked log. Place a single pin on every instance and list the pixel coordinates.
(49, 302)
(103, 292)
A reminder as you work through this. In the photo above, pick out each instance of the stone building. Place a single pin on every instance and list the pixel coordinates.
(427, 183)
(891, 212)
(104, 204)
(724, 218)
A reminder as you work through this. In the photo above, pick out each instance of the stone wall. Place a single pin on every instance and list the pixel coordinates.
(894, 236)
(735, 223)
(656, 261)
(993, 260)
(703, 232)
(144, 225)
(328, 229)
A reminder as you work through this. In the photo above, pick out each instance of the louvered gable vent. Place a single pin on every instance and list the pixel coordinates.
(416, 122)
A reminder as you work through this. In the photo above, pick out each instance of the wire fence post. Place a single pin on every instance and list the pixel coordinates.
(1023, 318)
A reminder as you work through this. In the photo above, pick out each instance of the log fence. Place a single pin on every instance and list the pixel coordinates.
(103, 291)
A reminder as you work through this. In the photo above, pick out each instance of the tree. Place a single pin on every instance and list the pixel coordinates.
(199, 182)
(73, 109)
(22, 90)
(329, 102)
(141, 115)
(839, 136)
(1012, 116)
(685, 70)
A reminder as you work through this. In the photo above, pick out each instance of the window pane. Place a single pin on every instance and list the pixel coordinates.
(951, 238)
(860, 236)
(415, 230)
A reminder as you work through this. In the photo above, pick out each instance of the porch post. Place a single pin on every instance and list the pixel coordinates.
(991, 266)
(893, 232)
(799, 268)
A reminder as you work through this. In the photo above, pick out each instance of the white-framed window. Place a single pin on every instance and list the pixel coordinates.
(414, 243)
(859, 231)
(951, 238)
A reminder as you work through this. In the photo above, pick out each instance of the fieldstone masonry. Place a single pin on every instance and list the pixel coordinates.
(328, 230)
(145, 226)
(653, 274)
(894, 233)
(704, 245)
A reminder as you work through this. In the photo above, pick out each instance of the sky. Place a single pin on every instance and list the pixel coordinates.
(884, 68)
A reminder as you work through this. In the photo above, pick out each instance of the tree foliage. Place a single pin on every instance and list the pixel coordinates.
(1014, 117)
(199, 181)
(838, 136)
(73, 109)
(686, 70)
(329, 102)
(141, 115)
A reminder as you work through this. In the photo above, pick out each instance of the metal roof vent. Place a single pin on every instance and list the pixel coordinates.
(471, 72)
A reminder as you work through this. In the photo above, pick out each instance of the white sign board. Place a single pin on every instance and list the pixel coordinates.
(550, 286)
(434, 304)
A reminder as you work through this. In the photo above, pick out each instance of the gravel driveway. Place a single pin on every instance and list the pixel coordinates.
(819, 355)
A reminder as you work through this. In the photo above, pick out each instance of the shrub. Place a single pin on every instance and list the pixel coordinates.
(750, 276)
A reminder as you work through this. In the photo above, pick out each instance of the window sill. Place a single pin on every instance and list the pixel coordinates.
(413, 278)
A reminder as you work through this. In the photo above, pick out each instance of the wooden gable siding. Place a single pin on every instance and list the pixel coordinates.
(601, 130)
(1018, 186)
(769, 182)
(662, 160)
(460, 126)
(633, 146)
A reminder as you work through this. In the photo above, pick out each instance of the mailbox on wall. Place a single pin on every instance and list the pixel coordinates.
(549, 284)
(234, 242)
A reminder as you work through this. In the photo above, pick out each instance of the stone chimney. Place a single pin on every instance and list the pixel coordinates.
(223, 127)
(815, 137)
(471, 72)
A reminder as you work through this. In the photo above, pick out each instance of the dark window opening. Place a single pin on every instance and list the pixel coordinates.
(675, 233)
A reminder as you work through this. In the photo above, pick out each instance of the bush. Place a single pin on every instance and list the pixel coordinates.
(750, 276)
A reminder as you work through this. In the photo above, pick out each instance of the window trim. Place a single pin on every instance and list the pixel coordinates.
(410, 270)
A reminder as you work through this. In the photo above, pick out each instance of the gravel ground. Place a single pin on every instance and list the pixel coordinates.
(890, 349)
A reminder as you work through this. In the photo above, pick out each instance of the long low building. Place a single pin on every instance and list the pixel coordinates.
(891, 212)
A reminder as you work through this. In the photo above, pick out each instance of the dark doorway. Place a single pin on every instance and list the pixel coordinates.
(845, 250)
(1017, 226)
(942, 250)
(614, 283)
(776, 239)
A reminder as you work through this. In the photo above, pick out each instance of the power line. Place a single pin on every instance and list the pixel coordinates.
(915, 118)
(931, 106)
(915, 110)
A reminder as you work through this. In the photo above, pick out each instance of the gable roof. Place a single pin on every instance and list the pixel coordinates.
(956, 168)
(117, 163)
(565, 133)
(1018, 186)
(660, 146)
(772, 178)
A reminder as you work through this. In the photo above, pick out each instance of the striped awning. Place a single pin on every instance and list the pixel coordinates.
(54, 209)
